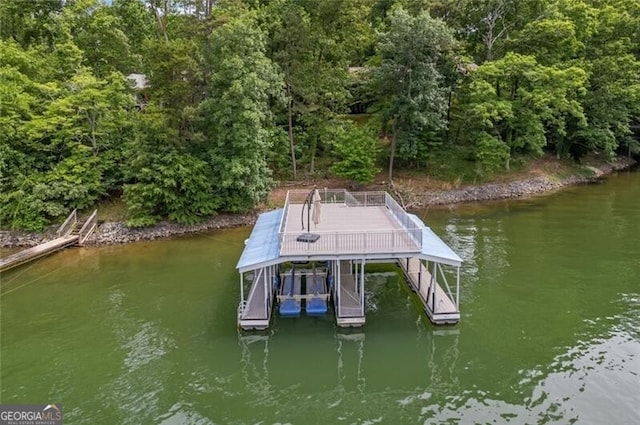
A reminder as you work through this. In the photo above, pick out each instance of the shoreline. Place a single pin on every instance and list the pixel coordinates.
(521, 188)
(113, 233)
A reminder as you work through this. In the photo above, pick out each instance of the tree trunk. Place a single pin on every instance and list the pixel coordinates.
(161, 21)
(393, 150)
(291, 143)
(509, 139)
(314, 146)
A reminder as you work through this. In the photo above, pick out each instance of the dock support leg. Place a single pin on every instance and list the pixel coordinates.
(361, 284)
(337, 282)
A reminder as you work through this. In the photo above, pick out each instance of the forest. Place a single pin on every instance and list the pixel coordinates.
(188, 108)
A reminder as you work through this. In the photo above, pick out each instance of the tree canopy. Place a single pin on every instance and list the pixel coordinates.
(232, 95)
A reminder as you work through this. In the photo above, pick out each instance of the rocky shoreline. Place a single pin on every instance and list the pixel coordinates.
(110, 233)
(517, 189)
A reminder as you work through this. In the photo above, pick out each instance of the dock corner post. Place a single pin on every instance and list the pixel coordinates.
(419, 275)
(362, 287)
(338, 282)
(241, 287)
(266, 282)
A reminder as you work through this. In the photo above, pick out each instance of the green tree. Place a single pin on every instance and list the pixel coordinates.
(163, 179)
(410, 100)
(60, 136)
(356, 150)
(314, 43)
(236, 118)
(516, 101)
(106, 47)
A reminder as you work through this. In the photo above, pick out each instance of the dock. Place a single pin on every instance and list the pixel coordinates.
(343, 231)
(69, 234)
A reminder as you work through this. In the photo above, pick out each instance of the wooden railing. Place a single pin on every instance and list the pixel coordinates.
(88, 227)
(68, 225)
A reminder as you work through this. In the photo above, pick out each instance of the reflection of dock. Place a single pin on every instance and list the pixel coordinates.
(67, 236)
(350, 343)
(340, 363)
(351, 230)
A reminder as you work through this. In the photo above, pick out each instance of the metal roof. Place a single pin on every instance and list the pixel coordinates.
(434, 248)
(263, 246)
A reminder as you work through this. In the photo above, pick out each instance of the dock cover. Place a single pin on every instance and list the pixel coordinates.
(263, 246)
(434, 248)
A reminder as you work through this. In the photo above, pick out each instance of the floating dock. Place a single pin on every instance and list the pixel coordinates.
(343, 231)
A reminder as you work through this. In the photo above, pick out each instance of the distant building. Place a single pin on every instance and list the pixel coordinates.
(139, 83)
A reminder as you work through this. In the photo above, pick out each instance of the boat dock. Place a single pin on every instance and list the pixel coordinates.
(69, 234)
(322, 240)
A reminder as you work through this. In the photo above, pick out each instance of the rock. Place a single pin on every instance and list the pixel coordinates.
(110, 233)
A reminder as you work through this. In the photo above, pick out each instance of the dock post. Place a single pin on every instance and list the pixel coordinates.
(242, 287)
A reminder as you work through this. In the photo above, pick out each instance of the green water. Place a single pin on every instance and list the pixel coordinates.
(146, 333)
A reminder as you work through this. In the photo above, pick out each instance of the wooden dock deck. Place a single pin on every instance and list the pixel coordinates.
(350, 308)
(257, 306)
(36, 252)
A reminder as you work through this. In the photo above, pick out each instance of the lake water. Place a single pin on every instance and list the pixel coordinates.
(146, 333)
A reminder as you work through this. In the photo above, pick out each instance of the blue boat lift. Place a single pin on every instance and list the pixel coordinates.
(350, 230)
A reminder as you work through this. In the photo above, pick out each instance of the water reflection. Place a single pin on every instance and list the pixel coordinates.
(594, 381)
(341, 389)
(135, 391)
(594, 384)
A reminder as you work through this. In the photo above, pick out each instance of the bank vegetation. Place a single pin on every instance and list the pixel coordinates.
(184, 109)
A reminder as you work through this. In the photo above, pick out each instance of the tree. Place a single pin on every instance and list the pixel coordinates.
(106, 47)
(314, 43)
(164, 180)
(61, 138)
(517, 101)
(410, 99)
(356, 150)
(28, 22)
(236, 120)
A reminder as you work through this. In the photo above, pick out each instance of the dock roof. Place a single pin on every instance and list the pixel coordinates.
(434, 248)
(263, 246)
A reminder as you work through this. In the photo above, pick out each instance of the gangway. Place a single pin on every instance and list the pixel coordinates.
(67, 235)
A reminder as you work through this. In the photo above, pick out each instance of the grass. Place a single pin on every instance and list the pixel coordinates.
(112, 209)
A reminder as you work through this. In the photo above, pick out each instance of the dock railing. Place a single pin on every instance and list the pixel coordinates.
(283, 219)
(68, 225)
(403, 218)
(327, 196)
(407, 239)
(355, 242)
(89, 226)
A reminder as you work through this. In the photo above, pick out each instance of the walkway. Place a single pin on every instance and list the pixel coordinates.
(67, 236)
(37, 252)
